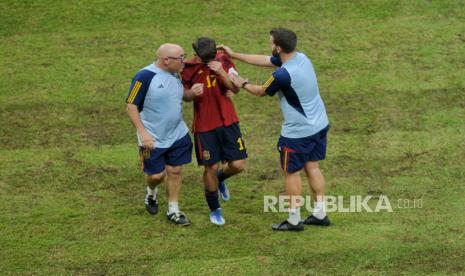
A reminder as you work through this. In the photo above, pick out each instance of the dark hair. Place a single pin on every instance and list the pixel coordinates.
(284, 38)
(205, 48)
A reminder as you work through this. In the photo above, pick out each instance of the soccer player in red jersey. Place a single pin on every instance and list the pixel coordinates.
(216, 126)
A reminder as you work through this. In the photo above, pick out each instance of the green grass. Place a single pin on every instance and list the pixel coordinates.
(393, 79)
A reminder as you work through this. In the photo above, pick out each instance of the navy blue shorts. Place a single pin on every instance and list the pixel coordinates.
(154, 161)
(295, 152)
(220, 144)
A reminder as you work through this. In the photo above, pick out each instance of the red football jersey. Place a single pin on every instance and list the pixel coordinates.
(212, 109)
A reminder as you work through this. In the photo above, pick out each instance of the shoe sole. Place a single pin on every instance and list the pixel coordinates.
(180, 224)
(288, 230)
(217, 223)
(314, 224)
(174, 222)
(223, 197)
(151, 212)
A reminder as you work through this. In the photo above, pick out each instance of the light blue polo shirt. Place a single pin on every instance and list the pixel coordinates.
(158, 96)
(302, 107)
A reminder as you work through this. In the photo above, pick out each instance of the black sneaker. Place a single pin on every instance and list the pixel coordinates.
(151, 204)
(311, 220)
(286, 226)
(178, 218)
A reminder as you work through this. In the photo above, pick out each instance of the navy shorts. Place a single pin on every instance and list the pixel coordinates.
(154, 161)
(220, 144)
(295, 152)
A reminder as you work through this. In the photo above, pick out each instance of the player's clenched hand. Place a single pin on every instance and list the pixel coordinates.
(146, 139)
(216, 67)
(226, 49)
(230, 94)
(197, 89)
(237, 80)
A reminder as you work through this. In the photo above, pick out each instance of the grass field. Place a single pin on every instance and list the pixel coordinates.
(391, 73)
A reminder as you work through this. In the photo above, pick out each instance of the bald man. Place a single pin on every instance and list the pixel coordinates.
(154, 106)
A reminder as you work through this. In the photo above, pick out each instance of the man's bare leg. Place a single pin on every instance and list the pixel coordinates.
(173, 187)
(316, 181)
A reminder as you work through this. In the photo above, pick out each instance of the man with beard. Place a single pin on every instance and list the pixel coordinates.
(304, 132)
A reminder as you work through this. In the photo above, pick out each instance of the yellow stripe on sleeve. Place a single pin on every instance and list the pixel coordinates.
(134, 91)
(268, 83)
